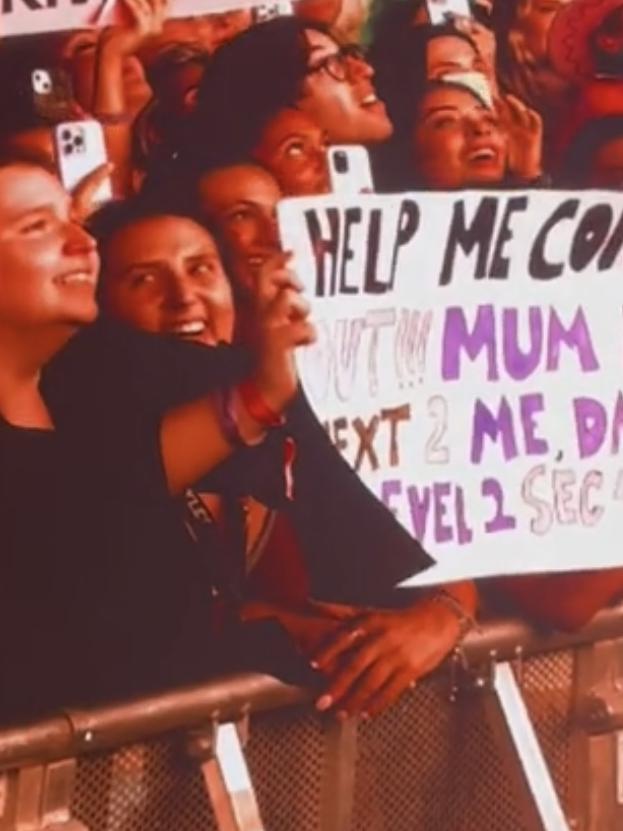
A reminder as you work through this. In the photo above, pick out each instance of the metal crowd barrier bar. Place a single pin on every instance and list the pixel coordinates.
(519, 731)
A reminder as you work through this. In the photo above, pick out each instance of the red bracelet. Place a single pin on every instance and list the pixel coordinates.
(257, 407)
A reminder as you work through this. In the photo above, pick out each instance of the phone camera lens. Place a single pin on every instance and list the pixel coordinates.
(69, 149)
(78, 141)
(66, 135)
(341, 161)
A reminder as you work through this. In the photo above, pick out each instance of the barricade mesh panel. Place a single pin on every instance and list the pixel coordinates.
(426, 765)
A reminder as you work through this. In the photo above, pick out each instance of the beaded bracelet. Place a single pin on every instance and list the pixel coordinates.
(467, 622)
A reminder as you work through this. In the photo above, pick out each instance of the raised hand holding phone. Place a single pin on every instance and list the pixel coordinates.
(80, 151)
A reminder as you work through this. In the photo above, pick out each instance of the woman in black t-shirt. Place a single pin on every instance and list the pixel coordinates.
(90, 602)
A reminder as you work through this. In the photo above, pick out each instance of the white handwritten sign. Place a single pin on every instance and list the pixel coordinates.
(469, 366)
(20, 17)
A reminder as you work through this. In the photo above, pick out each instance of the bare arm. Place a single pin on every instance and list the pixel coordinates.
(193, 437)
(562, 601)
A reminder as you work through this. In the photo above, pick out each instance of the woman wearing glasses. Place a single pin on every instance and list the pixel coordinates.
(283, 64)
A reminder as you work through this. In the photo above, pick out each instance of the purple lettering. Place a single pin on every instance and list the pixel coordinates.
(576, 337)
(485, 423)
(520, 364)
(441, 490)
(464, 533)
(617, 424)
(389, 489)
(590, 425)
(458, 338)
(419, 507)
(529, 406)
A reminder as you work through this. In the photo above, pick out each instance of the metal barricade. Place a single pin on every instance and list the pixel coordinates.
(247, 753)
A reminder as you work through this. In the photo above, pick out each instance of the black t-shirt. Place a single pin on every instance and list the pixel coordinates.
(354, 548)
(103, 595)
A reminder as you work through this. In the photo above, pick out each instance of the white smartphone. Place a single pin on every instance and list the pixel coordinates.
(439, 11)
(476, 81)
(268, 11)
(81, 149)
(349, 169)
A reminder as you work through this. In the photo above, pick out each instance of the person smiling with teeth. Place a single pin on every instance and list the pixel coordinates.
(448, 138)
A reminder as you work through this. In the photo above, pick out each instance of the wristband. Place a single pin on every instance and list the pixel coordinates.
(256, 406)
(467, 622)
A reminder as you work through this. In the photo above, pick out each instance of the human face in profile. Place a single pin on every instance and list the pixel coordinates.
(457, 141)
(164, 275)
(339, 96)
(48, 263)
(294, 150)
(241, 200)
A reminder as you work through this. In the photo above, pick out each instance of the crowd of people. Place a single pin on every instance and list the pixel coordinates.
(171, 508)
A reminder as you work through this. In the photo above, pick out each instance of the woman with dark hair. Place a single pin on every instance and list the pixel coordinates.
(447, 137)
(284, 63)
(162, 273)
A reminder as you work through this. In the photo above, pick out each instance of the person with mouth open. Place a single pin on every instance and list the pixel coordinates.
(162, 273)
(100, 596)
(282, 65)
(447, 138)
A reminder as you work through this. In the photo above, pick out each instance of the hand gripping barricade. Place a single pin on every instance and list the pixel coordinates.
(517, 732)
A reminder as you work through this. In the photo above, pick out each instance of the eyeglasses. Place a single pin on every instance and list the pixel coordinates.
(336, 64)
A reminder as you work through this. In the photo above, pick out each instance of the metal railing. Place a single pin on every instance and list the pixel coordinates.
(448, 756)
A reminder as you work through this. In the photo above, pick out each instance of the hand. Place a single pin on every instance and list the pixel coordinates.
(525, 138)
(146, 21)
(83, 196)
(279, 324)
(379, 654)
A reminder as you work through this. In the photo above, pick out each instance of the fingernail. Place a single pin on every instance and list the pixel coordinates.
(365, 716)
(341, 715)
(314, 664)
(324, 702)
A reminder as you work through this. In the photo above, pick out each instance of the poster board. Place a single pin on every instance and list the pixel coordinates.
(20, 17)
(469, 367)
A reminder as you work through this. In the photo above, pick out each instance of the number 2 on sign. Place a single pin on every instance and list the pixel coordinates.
(437, 453)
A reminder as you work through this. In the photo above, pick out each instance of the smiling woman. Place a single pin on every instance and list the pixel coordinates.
(107, 456)
(456, 141)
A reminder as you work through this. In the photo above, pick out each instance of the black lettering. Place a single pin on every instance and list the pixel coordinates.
(479, 233)
(370, 286)
(408, 223)
(538, 266)
(590, 235)
(612, 248)
(324, 248)
(351, 217)
(500, 264)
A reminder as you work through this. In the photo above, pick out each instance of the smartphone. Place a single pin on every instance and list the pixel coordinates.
(476, 81)
(52, 94)
(349, 169)
(439, 11)
(268, 11)
(81, 149)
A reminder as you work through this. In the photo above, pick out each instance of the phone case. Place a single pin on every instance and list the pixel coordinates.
(349, 169)
(52, 94)
(81, 149)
